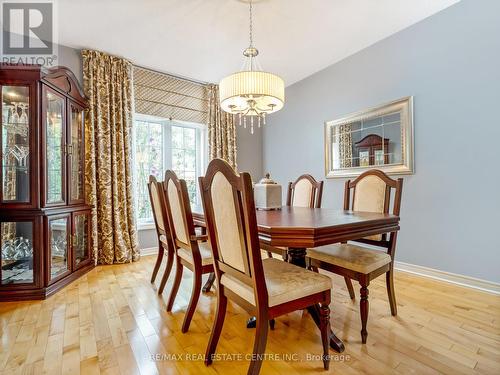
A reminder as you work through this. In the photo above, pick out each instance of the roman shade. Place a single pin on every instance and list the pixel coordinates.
(167, 96)
(171, 97)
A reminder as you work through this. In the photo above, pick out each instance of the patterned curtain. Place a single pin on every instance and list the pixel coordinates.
(108, 85)
(345, 146)
(221, 129)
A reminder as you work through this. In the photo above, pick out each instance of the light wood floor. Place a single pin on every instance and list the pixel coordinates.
(111, 321)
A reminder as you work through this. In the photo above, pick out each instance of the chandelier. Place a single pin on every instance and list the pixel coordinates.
(251, 93)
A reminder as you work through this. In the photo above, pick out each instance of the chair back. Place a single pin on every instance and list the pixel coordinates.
(305, 192)
(229, 208)
(157, 199)
(371, 192)
(180, 217)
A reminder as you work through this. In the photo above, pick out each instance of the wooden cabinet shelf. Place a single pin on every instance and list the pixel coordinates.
(44, 220)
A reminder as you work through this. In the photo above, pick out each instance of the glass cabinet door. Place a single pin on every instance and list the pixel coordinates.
(75, 151)
(80, 238)
(16, 238)
(54, 147)
(15, 140)
(59, 230)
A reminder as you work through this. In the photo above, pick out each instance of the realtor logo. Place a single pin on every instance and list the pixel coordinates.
(28, 33)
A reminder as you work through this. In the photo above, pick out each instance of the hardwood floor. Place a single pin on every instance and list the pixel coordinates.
(111, 321)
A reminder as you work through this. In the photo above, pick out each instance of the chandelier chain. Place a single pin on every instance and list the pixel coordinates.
(251, 25)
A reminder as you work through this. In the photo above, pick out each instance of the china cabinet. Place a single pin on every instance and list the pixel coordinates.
(44, 220)
(372, 150)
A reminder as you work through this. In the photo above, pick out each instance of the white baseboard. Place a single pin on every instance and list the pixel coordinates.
(149, 251)
(453, 278)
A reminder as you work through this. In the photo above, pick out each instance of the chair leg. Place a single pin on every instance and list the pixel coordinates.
(363, 306)
(269, 254)
(195, 295)
(259, 346)
(389, 280)
(168, 269)
(158, 263)
(216, 327)
(325, 333)
(209, 283)
(272, 322)
(314, 269)
(350, 288)
(175, 286)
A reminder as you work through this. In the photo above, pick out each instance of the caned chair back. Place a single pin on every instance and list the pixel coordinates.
(305, 192)
(180, 217)
(157, 199)
(229, 209)
(371, 192)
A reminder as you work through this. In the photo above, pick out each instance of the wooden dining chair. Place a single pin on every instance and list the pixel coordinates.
(266, 288)
(191, 250)
(371, 193)
(304, 192)
(165, 246)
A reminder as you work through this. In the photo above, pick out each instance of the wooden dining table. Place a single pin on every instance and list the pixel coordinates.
(299, 228)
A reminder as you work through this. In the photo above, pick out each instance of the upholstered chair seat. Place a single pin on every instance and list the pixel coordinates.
(371, 192)
(192, 251)
(284, 281)
(353, 257)
(205, 252)
(266, 288)
(165, 245)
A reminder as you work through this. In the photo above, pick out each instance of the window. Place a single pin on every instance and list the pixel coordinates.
(149, 161)
(184, 157)
(162, 144)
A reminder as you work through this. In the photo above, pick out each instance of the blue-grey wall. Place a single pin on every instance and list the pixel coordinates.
(450, 63)
(72, 59)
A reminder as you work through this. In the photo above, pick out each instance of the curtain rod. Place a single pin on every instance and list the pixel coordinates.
(201, 83)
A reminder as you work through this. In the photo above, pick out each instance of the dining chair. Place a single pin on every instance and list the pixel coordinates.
(191, 250)
(305, 191)
(371, 192)
(165, 246)
(266, 288)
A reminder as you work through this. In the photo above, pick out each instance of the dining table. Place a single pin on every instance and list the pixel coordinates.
(294, 229)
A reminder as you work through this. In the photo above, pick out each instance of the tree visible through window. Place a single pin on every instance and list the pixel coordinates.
(162, 144)
(184, 158)
(149, 161)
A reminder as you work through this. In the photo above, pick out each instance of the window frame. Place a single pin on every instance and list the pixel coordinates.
(201, 153)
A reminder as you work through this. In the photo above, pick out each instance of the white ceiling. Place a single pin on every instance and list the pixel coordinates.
(204, 39)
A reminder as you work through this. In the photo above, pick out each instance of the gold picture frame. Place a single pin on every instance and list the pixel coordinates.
(380, 137)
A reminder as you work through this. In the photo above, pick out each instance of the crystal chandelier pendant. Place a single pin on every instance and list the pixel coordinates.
(251, 91)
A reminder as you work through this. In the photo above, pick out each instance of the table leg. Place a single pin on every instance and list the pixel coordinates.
(297, 256)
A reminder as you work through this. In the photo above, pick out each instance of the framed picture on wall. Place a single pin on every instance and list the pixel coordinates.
(379, 137)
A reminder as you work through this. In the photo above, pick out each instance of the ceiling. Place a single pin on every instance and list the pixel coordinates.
(204, 39)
